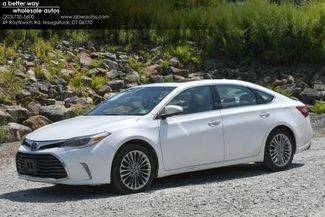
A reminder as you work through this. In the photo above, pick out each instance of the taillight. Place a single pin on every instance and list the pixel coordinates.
(303, 110)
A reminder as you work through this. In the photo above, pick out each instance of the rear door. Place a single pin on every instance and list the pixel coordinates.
(196, 136)
(245, 121)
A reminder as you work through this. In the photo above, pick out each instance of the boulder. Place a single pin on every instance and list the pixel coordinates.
(116, 85)
(36, 122)
(111, 56)
(33, 107)
(85, 58)
(111, 64)
(56, 112)
(156, 79)
(109, 95)
(103, 90)
(176, 71)
(15, 131)
(309, 95)
(153, 69)
(18, 113)
(23, 94)
(113, 74)
(5, 117)
(132, 77)
(175, 62)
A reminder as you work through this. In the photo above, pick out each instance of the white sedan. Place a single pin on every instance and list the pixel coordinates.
(157, 130)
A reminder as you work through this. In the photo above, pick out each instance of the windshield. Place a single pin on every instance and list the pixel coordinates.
(135, 101)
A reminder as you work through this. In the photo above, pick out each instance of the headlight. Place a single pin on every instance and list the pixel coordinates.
(85, 141)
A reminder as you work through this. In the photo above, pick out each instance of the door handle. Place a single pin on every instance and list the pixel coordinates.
(214, 123)
(265, 115)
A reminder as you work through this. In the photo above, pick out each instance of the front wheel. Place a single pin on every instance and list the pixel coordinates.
(132, 170)
(278, 150)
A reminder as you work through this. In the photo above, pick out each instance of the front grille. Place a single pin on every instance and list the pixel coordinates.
(44, 146)
(40, 165)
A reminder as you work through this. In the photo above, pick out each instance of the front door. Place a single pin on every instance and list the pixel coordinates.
(196, 136)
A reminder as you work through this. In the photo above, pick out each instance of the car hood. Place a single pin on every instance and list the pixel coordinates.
(80, 126)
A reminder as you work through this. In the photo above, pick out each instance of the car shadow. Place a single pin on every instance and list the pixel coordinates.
(62, 193)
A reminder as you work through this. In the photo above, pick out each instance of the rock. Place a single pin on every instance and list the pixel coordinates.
(153, 69)
(16, 131)
(113, 74)
(319, 86)
(277, 82)
(179, 78)
(85, 58)
(109, 95)
(66, 73)
(116, 85)
(23, 94)
(18, 113)
(36, 122)
(33, 107)
(47, 101)
(290, 79)
(101, 71)
(309, 95)
(93, 71)
(97, 55)
(156, 79)
(56, 112)
(31, 74)
(66, 43)
(111, 56)
(5, 117)
(132, 77)
(87, 80)
(175, 62)
(62, 95)
(112, 64)
(76, 100)
(123, 57)
(168, 78)
(103, 90)
(175, 71)
(267, 80)
(29, 64)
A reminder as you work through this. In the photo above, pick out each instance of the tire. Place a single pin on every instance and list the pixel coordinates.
(128, 177)
(278, 157)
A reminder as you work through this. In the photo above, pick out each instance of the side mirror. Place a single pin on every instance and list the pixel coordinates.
(171, 110)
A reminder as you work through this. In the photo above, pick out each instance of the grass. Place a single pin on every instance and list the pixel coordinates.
(136, 65)
(98, 82)
(319, 107)
(3, 133)
(11, 84)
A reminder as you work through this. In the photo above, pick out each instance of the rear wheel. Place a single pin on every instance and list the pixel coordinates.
(132, 169)
(279, 150)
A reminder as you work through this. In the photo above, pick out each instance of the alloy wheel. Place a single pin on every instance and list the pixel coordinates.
(280, 150)
(135, 170)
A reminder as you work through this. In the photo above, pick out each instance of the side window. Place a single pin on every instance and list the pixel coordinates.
(235, 96)
(193, 100)
(263, 97)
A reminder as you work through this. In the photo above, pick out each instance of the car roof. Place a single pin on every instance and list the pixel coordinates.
(209, 82)
(199, 82)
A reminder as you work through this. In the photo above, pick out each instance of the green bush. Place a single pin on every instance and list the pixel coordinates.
(319, 107)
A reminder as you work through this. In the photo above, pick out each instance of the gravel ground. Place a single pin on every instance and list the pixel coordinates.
(243, 190)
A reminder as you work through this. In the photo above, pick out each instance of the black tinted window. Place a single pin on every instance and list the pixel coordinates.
(196, 99)
(263, 97)
(234, 96)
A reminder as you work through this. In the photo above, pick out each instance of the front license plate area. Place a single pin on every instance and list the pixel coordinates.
(30, 166)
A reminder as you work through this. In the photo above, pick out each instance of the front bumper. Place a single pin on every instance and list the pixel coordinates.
(85, 166)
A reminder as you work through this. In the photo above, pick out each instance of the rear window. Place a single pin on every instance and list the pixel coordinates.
(263, 97)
